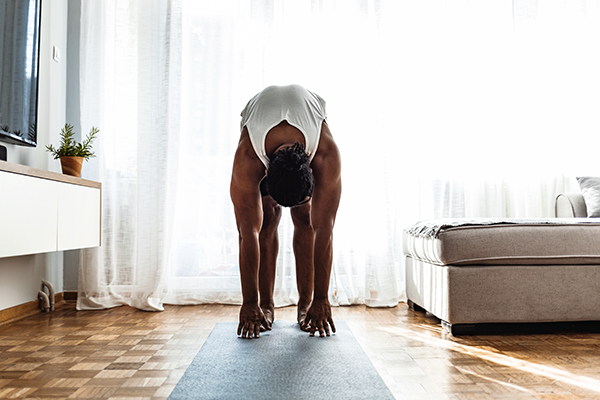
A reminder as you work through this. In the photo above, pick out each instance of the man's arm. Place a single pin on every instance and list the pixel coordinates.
(326, 198)
(245, 195)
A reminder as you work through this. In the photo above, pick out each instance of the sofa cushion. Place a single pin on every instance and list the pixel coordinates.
(569, 241)
(590, 188)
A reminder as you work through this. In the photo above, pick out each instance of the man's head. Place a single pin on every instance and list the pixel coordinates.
(289, 177)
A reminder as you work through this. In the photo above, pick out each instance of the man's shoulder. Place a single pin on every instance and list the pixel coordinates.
(246, 164)
(327, 160)
(245, 151)
(246, 156)
(327, 147)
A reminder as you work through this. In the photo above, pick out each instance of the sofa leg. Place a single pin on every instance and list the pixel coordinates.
(413, 306)
(459, 329)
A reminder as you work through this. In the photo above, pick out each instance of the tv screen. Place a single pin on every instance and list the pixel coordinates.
(19, 68)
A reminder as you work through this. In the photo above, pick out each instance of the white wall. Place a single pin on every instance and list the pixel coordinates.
(20, 277)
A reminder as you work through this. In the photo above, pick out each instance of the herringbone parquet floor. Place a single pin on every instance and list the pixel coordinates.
(124, 353)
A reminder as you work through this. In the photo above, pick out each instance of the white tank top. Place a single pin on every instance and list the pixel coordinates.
(299, 107)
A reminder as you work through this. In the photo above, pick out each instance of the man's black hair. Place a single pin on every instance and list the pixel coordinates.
(289, 177)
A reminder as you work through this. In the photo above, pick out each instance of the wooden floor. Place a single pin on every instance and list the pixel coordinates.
(124, 353)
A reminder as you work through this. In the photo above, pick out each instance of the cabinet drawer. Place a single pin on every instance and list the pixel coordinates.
(28, 215)
(78, 217)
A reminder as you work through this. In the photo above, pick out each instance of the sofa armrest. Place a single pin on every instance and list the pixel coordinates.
(570, 205)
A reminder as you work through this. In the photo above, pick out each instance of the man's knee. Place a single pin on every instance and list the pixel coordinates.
(301, 217)
(271, 216)
(324, 228)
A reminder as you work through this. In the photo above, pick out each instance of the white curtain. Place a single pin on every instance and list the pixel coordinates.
(440, 109)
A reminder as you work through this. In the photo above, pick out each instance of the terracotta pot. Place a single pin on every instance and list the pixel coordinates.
(71, 165)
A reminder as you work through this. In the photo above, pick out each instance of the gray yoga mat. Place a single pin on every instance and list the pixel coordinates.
(284, 363)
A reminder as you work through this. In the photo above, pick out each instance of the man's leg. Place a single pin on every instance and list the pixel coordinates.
(304, 255)
(269, 247)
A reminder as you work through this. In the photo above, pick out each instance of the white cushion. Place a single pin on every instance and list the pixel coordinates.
(590, 188)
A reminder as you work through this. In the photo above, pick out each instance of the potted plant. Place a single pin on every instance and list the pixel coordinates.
(71, 153)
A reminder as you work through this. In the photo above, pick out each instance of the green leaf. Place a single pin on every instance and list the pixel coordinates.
(70, 148)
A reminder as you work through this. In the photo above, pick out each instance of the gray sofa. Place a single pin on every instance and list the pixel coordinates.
(472, 273)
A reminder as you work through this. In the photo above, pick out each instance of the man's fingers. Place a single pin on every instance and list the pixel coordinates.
(313, 329)
(247, 331)
(321, 330)
(250, 330)
(332, 325)
(239, 331)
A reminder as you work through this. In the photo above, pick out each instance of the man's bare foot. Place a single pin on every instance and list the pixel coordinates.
(269, 312)
(302, 311)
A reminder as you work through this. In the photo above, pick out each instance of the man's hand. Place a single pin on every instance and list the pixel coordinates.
(251, 319)
(319, 318)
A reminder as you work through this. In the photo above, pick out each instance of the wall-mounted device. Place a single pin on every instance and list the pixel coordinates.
(19, 70)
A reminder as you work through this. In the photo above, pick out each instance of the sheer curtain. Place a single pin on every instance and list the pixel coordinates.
(443, 109)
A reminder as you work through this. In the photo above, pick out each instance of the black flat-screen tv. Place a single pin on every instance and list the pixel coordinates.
(19, 70)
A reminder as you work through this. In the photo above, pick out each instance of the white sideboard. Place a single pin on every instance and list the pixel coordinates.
(42, 211)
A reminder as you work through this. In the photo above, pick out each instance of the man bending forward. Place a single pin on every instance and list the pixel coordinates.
(287, 157)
